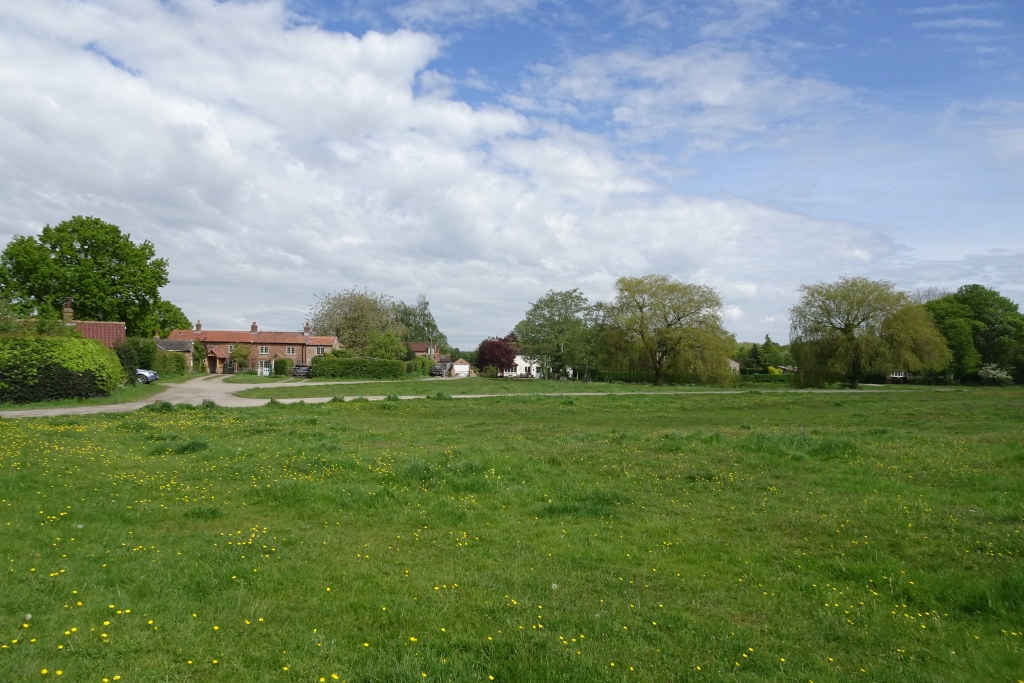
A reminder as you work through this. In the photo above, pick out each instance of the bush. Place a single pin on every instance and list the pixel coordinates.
(145, 352)
(769, 379)
(170, 363)
(129, 359)
(419, 366)
(490, 371)
(357, 368)
(993, 374)
(283, 367)
(198, 357)
(48, 368)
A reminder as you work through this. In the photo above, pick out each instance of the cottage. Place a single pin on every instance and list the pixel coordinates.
(183, 346)
(521, 367)
(264, 347)
(110, 334)
(428, 349)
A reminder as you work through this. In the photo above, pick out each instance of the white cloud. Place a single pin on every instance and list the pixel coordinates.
(715, 96)
(963, 22)
(944, 9)
(271, 160)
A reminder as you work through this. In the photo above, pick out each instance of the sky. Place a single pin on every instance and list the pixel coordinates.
(483, 152)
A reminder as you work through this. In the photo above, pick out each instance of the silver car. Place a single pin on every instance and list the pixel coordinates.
(145, 376)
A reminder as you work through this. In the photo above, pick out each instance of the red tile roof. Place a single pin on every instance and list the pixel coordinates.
(240, 337)
(109, 333)
(420, 347)
(323, 341)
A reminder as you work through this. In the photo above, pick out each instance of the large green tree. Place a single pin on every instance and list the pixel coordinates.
(957, 324)
(355, 317)
(857, 327)
(107, 276)
(559, 332)
(667, 319)
(419, 324)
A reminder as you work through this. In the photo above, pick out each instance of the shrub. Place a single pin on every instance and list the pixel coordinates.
(358, 368)
(47, 368)
(283, 367)
(198, 357)
(489, 371)
(170, 363)
(419, 366)
(993, 374)
(129, 359)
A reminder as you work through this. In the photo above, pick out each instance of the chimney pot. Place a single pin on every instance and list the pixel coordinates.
(199, 326)
(305, 330)
(254, 329)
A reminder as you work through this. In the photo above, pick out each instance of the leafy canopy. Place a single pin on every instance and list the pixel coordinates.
(108, 276)
(856, 327)
(355, 317)
(419, 324)
(559, 331)
(669, 319)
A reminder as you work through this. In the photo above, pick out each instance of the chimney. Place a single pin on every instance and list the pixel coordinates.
(156, 335)
(199, 326)
(68, 313)
(305, 330)
(254, 329)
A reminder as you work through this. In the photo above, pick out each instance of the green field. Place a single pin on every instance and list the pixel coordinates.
(784, 536)
(480, 385)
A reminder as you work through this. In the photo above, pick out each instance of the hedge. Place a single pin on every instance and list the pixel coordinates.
(420, 365)
(357, 368)
(283, 367)
(769, 379)
(170, 363)
(49, 368)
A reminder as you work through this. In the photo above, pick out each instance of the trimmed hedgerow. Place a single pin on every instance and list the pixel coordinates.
(48, 368)
(170, 363)
(283, 367)
(357, 368)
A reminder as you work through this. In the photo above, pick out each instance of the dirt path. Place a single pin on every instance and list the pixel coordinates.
(215, 389)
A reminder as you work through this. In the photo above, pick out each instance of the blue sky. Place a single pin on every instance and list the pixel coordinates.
(484, 152)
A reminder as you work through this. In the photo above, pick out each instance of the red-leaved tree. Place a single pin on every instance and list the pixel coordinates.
(497, 351)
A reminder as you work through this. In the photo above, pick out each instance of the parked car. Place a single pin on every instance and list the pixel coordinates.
(146, 376)
(300, 371)
(437, 371)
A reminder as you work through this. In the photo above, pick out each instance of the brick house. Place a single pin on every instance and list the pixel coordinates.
(264, 347)
(110, 334)
(428, 349)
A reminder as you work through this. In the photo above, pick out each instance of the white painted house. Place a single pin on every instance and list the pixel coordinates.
(460, 368)
(521, 367)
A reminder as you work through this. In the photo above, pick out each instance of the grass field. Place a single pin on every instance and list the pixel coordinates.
(126, 393)
(481, 385)
(868, 536)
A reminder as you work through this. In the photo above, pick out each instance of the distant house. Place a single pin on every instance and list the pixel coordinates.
(521, 367)
(734, 366)
(264, 347)
(428, 349)
(110, 334)
(460, 368)
(446, 365)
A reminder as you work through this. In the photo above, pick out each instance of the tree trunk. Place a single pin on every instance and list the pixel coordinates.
(855, 382)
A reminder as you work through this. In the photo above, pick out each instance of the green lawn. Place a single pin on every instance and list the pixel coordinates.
(481, 385)
(868, 536)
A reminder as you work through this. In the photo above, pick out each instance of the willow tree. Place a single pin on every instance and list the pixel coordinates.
(670, 321)
(856, 327)
(355, 317)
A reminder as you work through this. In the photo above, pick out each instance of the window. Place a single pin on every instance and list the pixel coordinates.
(319, 350)
(231, 348)
(264, 350)
(289, 350)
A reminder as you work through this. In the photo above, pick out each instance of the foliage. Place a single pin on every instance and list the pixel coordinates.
(667, 319)
(419, 325)
(128, 356)
(198, 357)
(993, 374)
(355, 316)
(419, 365)
(283, 367)
(560, 331)
(385, 345)
(980, 327)
(856, 327)
(108, 276)
(9, 320)
(357, 368)
(164, 317)
(145, 351)
(48, 368)
(489, 371)
(499, 352)
(170, 363)
(240, 356)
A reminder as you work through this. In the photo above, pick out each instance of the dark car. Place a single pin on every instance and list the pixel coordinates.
(145, 376)
(437, 371)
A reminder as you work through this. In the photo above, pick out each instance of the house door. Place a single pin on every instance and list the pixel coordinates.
(211, 363)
